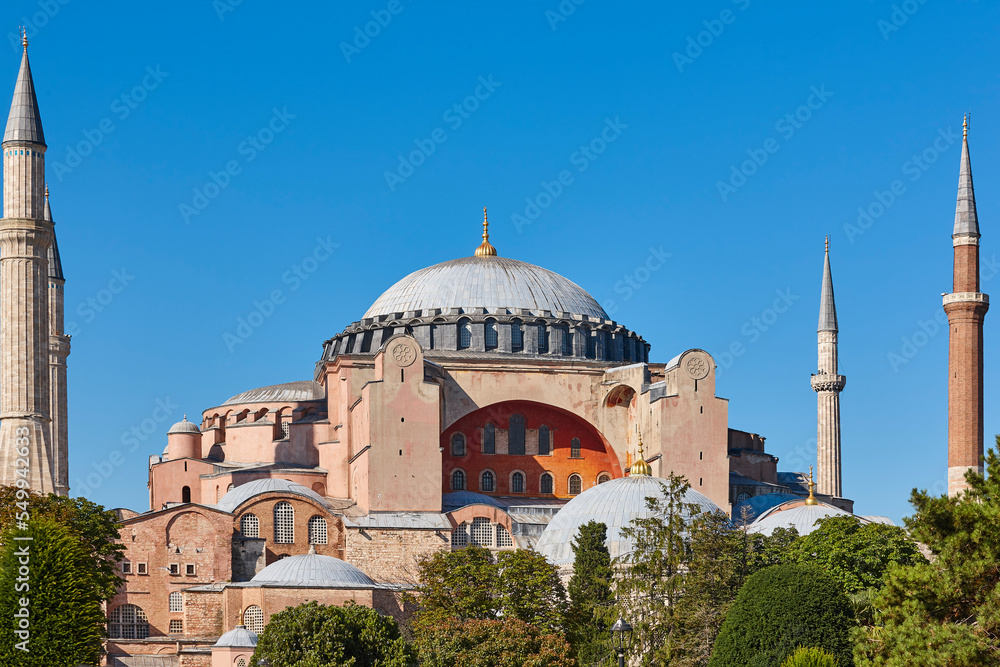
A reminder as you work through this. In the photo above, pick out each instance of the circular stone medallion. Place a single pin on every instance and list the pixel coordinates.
(403, 354)
(697, 367)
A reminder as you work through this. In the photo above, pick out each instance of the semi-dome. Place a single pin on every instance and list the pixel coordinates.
(794, 514)
(245, 492)
(490, 282)
(184, 426)
(238, 637)
(615, 504)
(312, 569)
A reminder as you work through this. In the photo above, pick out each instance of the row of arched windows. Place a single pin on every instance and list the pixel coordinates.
(515, 440)
(491, 338)
(546, 482)
(481, 533)
(284, 525)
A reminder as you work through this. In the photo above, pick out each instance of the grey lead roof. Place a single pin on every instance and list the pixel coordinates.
(24, 122)
(303, 390)
(493, 283)
(827, 307)
(55, 262)
(966, 219)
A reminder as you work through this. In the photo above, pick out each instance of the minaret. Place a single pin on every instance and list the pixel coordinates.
(58, 351)
(25, 237)
(966, 308)
(828, 384)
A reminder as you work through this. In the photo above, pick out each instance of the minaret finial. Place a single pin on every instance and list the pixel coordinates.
(965, 125)
(640, 467)
(24, 37)
(827, 245)
(485, 249)
(46, 190)
(811, 500)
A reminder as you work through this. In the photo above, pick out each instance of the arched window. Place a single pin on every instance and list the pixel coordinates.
(591, 344)
(458, 481)
(253, 619)
(543, 339)
(176, 602)
(567, 341)
(317, 530)
(743, 496)
(249, 525)
(218, 493)
(604, 477)
(544, 447)
(128, 622)
(503, 537)
(626, 349)
(185, 494)
(464, 334)
(574, 448)
(230, 488)
(491, 334)
(242, 662)
(458, 444)
(460, 536)
(482, 532)
(515, 436)
(575, 482)
(546, 485)
(516, 336)
(517, 483)
(486, 482)
(489, 439)
(284, 523)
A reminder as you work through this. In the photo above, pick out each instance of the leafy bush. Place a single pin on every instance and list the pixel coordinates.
(780, 609)
(810, 657)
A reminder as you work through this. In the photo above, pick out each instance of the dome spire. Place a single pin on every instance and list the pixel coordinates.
(485, 249)
(640, 467)
(811, 500)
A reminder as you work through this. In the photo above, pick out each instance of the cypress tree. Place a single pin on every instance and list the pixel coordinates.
(590, 593)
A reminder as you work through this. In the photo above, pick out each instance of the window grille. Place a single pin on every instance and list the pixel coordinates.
(743, 496)
(487, 482)
(543, 339)
(175, 568)
(546, 485)
(458, 444)
(460, 536)
(242, 662)
(284, 523)
(464, 335)
(603, 478)
(176, 602)
(140, 568)
(503, 537)
(482, 532)
(544, 448)
(285, 427)
(126, 567)
(189, 569)
(253, 619)
(250, 525)
(458, 481)
(128, 622)
(567, 342)
(517, 483)
(515, 442)
(574, 448)
(489, 439)
(317, 530)
(574, 485)
(491, 334)
(176, 626)
(516, 337)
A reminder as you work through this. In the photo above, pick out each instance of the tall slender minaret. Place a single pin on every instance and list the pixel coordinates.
(25, 237)
(828, 384)
(966, 308)
(58, 351)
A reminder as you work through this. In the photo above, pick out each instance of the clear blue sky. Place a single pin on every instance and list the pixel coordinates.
(679, 126)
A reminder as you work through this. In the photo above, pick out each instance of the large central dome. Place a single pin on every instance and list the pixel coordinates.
(490, 282)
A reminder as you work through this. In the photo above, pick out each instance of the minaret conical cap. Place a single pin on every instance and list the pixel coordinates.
(966, 219)
(55, 262)
(827, 306)
(24, 122)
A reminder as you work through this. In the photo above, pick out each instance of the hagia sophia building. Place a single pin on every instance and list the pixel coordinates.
(481, 401)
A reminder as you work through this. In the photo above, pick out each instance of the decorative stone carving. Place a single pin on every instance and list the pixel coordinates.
(697, 367)
(403, 354)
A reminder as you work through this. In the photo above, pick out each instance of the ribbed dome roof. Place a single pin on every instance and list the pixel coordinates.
(238, 637)
(490, 282)
(457, 499)
(184, 426)
(615, 504)
(245, 492)
(802, 518)
(313, 570)
(304, 390)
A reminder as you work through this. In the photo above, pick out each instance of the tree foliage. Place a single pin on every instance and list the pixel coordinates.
(780, 609)
(508, 642)
(590, 594)
(945, 613)
(315, 635)
(857, 554)
(95, 528)
(46, 569)
(810, 657)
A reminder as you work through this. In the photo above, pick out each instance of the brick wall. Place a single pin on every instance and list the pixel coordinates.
(392, 555)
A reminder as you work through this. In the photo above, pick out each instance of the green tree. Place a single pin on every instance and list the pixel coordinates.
(945, 613)
(491, 643)
(95, 528)
(857, 554)
(46, 570)
(810, 657)
(780, 609)
(590, 594)
(315, 635)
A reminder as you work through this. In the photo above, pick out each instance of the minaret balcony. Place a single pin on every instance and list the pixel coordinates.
(825, 382)
(966, 297)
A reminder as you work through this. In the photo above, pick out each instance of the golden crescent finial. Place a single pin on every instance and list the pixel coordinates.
(811, 500)
(640, 467)
(24, 37)
(485, 249)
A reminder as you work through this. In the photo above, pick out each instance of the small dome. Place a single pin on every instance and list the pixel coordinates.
(313, 570)
(184, 426)
(245, 492)
(457, 499)
(238, 637)
(758, 505)
(615, 504)
(490, 282)
(794, 514)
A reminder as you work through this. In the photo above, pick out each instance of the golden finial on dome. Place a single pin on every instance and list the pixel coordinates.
(640, 467)
(811, 500)
(485, 249)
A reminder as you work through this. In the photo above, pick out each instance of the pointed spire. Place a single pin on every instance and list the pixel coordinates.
(55, 262)
(24, 122)
(485, 249)
(966, 219)
(827, 307)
